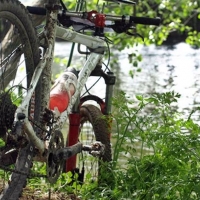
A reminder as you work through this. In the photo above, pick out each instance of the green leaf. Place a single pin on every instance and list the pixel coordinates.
(139, 97)
(135, 63)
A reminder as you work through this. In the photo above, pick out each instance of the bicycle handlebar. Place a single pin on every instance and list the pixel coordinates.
(84, 15)
(146, 20)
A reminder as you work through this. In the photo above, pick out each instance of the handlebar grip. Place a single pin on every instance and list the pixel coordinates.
(146, 20)
(36, 10)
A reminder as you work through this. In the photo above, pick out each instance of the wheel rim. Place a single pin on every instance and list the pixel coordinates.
(15, 72)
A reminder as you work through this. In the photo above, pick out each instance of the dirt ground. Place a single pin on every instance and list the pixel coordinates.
(38, 195)
(46, 197)
(53, 196)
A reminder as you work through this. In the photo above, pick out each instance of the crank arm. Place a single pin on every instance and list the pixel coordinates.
(67, 152)
(96, 149)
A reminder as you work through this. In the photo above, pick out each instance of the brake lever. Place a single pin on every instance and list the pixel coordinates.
(135, 35)
(123, 28)
(120, 28)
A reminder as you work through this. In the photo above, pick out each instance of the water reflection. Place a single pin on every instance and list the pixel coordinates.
(164, 70)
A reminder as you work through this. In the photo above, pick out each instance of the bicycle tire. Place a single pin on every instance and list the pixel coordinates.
(99, 128)
(17, 21)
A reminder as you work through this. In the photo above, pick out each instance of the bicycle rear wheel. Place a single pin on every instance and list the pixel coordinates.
(19, 55)
(94, 127)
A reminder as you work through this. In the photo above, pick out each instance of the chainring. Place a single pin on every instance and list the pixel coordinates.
(54, 169)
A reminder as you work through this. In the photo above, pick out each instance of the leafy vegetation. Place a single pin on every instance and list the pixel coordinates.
(166, 164)
(155, 154)
(179, 20)
(179, 23)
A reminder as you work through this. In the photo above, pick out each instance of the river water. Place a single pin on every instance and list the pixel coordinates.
(164, 70)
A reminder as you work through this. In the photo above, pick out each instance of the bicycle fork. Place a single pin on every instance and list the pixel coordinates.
(74, 118)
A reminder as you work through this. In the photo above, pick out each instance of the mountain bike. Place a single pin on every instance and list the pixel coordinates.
(30, 128)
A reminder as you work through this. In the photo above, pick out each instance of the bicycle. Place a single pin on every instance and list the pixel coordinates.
(29, 129)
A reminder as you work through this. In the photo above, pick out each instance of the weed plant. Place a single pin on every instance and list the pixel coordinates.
(156, 152)
(170, 168)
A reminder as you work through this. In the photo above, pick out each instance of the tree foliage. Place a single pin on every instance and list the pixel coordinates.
(180, 21)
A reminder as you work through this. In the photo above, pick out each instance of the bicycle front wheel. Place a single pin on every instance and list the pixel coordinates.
(94, 126)
(19, 55)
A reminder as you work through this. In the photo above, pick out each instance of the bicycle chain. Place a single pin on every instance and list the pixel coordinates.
(29, 175)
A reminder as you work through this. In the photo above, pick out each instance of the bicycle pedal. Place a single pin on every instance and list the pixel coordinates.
(96, 149)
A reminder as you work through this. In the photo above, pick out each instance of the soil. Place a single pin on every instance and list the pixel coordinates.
(39, 195)
(47, 197)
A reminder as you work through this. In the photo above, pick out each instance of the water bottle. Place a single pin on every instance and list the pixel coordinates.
(63, 89)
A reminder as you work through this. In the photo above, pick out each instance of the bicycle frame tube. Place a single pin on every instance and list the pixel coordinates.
(23, 108)
(85, 72)
(70, 35)
(90, 64)
(93, 59)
